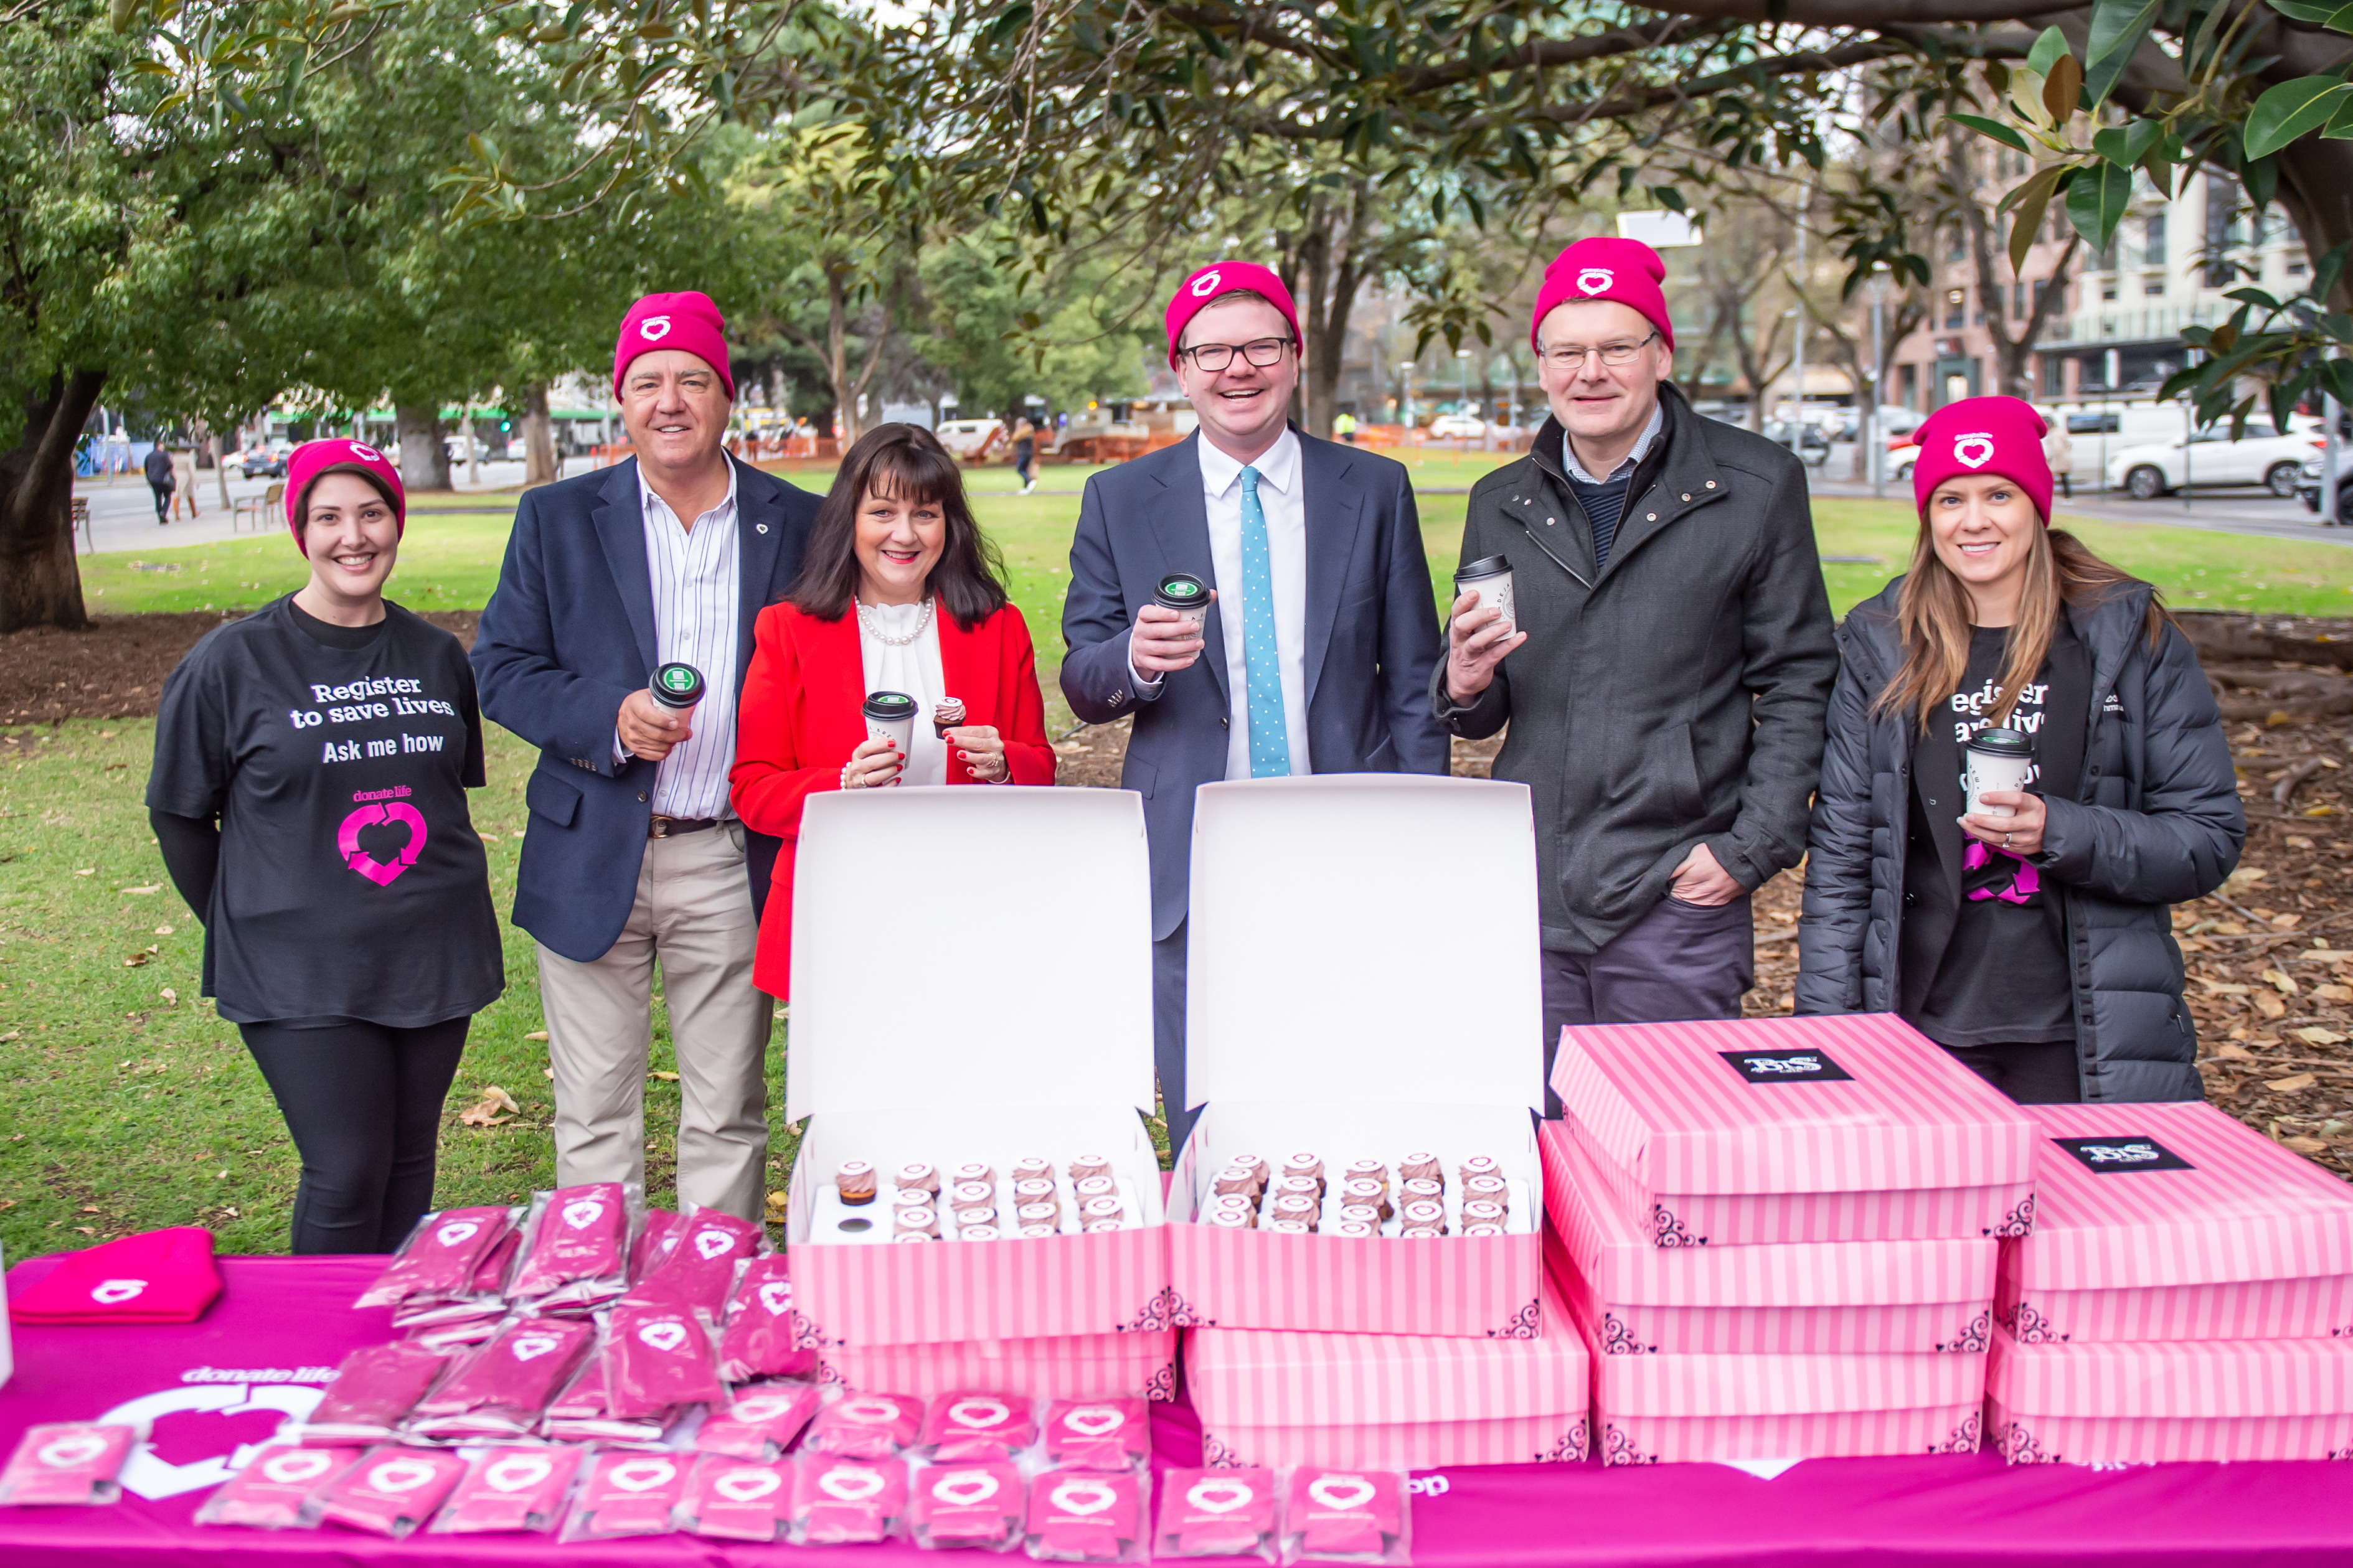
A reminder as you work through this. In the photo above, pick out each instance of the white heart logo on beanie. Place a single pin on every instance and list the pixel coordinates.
(1220, 1496)
(850, 1486)
(400, 1475)
(761, 1407)
(776, 1297)
(965, 1487)
(1094, 1420)
(518, 1472)
(1204, 285)
(664, 1336)
(654, 329)
(641, 1475)
(292, 1469)
(1973, 451)
(1343, 1492)
(530, 1347)
(1083, 1498)
(1595, 281)
(746, 1486)
(583, 1212)
(867, 1411)
(66, 1452)
(712, 1243)
(361, 449)
(456, 1231)
(113, 1292)
(979, 1412)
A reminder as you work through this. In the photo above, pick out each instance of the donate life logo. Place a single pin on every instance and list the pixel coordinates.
(1974, 451)
(1204, 285)
(365, 453)
(654, 329)
(347, 840)
(2108, 1157)
(1786, 1066)
(1595, 281)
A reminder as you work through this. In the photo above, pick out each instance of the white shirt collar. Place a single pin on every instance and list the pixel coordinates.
(648, 500)
(1641, 449)
(1277, 466)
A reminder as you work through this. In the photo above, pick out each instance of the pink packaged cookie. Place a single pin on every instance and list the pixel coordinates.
(866, 1425)
(1098, 1433)
(67, 1462)
(1217, 1513)
(500, 1389)
(510, 1487)
(652, 1238)
(696, 1266)
(1088, 1516)
(274, 1491)
(738, 1500)
(658, 1360)
(626, 1494)
(374, 1391)
(391, 1490)
(437, 1261)
(983, 1505)
(490, 1274)
(578, 1414)
(575, 1246)
(961, 1428)
(761, 1422)
(843, 1502)
(761, 1340)
(1347, 1516)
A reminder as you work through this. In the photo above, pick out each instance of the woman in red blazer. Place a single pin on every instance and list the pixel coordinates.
(899, 591)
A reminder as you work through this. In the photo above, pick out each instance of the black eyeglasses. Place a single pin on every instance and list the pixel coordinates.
(1215, 357)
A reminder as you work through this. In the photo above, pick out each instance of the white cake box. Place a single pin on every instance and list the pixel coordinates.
(972, 981)
(1076, 1366)
(1343, 1000)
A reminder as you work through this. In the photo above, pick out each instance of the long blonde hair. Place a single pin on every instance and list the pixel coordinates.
(1933, 617)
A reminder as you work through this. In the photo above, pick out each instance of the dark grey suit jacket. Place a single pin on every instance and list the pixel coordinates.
(1372, 635)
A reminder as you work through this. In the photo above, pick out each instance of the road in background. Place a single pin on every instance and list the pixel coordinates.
(123, 509)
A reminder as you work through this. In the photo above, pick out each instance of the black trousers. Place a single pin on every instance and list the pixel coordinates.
(363, 1103)
(2037, 1074)
(1024, 455)
(1679, 962)
(163, 501)
(1168, 1033)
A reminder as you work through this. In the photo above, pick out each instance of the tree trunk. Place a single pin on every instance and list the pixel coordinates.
(1328, 266)
(424, 460)
(538, 436)
(41, 583)
(220, 471)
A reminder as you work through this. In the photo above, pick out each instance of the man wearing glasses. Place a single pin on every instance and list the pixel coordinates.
(1321, 634)
(1669, 674)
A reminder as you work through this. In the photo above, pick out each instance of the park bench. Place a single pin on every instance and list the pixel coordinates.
(261, 508)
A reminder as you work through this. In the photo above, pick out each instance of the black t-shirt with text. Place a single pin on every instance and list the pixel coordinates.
(351, 883)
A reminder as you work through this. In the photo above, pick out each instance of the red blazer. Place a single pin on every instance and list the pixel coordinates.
(802, 713)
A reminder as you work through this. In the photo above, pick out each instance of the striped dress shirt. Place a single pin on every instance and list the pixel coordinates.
(697, 584)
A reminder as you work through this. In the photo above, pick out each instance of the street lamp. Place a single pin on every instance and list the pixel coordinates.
(1878, 377)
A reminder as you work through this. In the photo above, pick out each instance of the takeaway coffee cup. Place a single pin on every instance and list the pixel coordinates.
(1187, 595)
(677, 687)
(1999, 759)
(891, 715)
(1490, 578)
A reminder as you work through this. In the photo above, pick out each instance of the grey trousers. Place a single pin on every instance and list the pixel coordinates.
(1680, 961)
(692, 916)
(1169, 1031)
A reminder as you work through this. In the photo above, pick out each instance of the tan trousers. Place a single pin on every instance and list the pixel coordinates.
(692, 916)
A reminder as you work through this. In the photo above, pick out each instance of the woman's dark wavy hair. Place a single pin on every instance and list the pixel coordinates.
(899, 461)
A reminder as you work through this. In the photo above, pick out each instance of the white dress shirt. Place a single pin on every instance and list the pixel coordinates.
(1641, 449)
(913, 668)
(697, 582)
(1282, 496)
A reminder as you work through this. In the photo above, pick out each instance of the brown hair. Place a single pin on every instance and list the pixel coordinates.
(899, 461)
(375, 482)
(1933, 616)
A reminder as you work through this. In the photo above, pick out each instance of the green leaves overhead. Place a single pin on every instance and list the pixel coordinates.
(2337, 17)
(2293, 108)
(2096, 201)
(2117, 29)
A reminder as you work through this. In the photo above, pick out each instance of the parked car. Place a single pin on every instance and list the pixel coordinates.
(1813, 447)
(966, 436)
(2210, 458)
(2307, 485)
(265, 461)
(1458, 425)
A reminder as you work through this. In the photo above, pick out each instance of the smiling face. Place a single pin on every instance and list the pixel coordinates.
(1983, 527)
(675, 408)
(1243, 407)
(1597, 402)
(352, 536)
(900, 539)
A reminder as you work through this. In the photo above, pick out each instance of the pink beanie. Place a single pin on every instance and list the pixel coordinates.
(313, 458)
(158, 1276)
(1607, 267)
(1219, 277)
(688, 320)
(1984, 435)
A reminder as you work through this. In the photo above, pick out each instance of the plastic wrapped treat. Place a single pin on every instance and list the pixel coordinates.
(274, 1490)
(866, 1425)
(839, 1501)
(437, 1261)
(626, 1494)
(738, 1500)
(653, 1239)
(963, 1505)
(970, 1428)
(1087, 1516)
(491, 1276)
(511, 1489)
(697, 1262)
(502, 1389)
(761, 1339)
(658, 1361)
(579, 1414)
(1347, 1516)
(67, 1462)
(391, 1491)
(856, 1181)
(1217, 1513)
(575, 1246)
(760, 1422)
(1098, 1433)
(373, 1393)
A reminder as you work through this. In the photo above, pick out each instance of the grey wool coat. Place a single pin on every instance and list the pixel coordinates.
(2155, 822)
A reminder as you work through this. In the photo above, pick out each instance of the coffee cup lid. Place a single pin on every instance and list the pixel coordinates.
(677, 685)
(889, 705)
(1485, 566)
(2003, 743)
(1181, 591)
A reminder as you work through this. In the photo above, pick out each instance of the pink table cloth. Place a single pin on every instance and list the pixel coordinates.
(282, 1323)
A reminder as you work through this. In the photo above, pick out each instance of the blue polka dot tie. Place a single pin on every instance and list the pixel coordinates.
(1270, 741)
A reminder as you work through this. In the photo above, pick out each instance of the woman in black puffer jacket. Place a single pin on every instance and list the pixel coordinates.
(2037, 947)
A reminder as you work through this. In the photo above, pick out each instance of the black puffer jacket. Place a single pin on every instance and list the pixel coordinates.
(2156, 822)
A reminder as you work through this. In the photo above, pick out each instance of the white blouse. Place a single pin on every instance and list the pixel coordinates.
(913, 668)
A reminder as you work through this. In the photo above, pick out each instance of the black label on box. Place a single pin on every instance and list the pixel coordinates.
(2109, 1155)
(1786, 1066)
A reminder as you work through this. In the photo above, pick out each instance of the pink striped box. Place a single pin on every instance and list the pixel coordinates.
(1653, 1408)
(1325, 1014)
(1080, 1366)
(951, 1019)
(2175, 1222)
(1851, 1127)
(1388, 1401)
(2154, 1404)
(1803, 1297)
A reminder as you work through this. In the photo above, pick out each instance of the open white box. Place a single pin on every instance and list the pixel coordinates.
(1362, 984)
(972, 981)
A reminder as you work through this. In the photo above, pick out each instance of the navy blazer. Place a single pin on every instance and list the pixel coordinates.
(1372, 635)
(568, 635)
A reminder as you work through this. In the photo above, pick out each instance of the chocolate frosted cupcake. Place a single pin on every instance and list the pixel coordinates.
(1475, 1212)
(1486, 1189)
(1368, 1193)
(1097, 1209)
(973, 1195)
(1105, 1227)
(855, 1182)
(1479, 1165)
(1236, 1179)
(1037, 1232)
(1308, 1165)
(1367, 1171)
(916, 1222)
(1033, 1168)
(1360, 1213)
(913, 1235)
(1356, 1229)
(1255, 1164)
(1232, 1220)
(1046, 1213)
(1289, 1227)
(1085, 1165)
(977, 1233)
(1094, 1187)
(1424, 1189)
(978, 1171)
(947, 714)
(1482, 1230)
(922, 1178)
(1420, 1168)
(1423, 1212)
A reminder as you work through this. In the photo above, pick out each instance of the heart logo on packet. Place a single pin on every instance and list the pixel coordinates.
(1220, 1497)
(761, 1407)
(1341, 1492)
(979, 1412)
(456, 1231)
(850, 1486)
(530, 1347)
(292, 1469)
(66, 1452)
(664, 1336)
(777, 1297)
(113, 1292)
(518, 1472)
(1094, 1420)
(966, 1488)
(641, 1475)
(746, 1486)
(400, 1475)
(712, 1243)
(1083, 1498)
(867, 1411)
(582, 1213)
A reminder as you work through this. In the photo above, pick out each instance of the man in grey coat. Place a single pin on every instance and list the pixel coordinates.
(1669, 668)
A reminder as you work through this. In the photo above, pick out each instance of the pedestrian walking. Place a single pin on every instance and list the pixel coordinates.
(1025, 452)
(184, 483)
(157, 466)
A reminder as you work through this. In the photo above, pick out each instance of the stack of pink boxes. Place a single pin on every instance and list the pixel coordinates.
(2187, 1294)
(1328, 1018)
(1778, 1237)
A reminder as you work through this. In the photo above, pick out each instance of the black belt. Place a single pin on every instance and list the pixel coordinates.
(671, 826)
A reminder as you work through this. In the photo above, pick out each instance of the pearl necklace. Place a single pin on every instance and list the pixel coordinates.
(866, 624)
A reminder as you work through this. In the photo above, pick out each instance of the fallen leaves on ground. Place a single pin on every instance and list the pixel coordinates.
(495, 1108)
(665, 1076)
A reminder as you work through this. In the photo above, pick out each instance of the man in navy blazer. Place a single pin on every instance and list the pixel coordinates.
(1322, 633)
(632, 857)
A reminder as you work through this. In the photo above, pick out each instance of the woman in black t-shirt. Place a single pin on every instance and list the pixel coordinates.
(2037, 946)
(308, 794)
